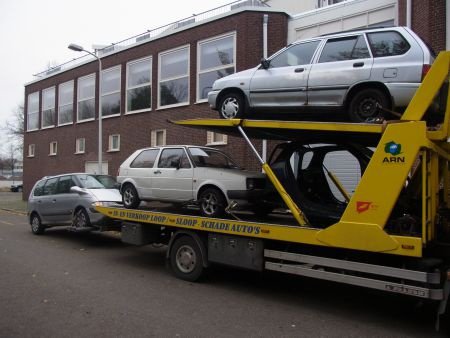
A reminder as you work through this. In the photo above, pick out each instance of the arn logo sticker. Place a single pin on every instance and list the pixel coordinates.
(394, 150)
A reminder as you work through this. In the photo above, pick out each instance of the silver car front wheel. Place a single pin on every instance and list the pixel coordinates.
(81, 219)
(232, 106)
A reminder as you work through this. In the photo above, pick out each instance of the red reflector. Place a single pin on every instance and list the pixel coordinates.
(425, 70)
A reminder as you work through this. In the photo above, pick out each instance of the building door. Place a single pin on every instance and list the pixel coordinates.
(92, 168)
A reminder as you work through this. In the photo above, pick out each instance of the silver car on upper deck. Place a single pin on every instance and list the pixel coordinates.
(357, 70)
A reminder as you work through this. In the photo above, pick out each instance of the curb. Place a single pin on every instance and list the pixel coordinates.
(18, 212)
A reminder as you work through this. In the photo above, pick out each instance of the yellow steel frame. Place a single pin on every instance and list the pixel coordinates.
(379, 188)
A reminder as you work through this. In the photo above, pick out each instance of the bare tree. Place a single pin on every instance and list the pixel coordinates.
(15, 126)
(11, 160)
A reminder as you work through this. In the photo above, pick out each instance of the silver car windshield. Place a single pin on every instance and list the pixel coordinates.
(203, 157)
(90, 182)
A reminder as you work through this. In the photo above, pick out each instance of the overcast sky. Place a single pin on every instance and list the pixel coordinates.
(36, 33)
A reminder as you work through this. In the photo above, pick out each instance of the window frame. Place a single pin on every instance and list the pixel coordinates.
(77, 145)
(119, 91)
(52, 88)
(53, 151)
(208, 70)
(147, 58)
(187, 75)
(210, 138)
(34, 111)
(111, 143)
(93, 75)
(67, 83)
(31, 150)
(154, 137)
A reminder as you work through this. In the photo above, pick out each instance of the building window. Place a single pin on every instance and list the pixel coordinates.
(139, 89)
(174, 77)
(213, 138)
(158, 138)
(111, 91)
(33, 111)
(216, 60)
(53, 148)
(65, 103)
(31, 150)
(48, 107)
(86, 98)
(114, 142)
(324, 3)
(80, 145)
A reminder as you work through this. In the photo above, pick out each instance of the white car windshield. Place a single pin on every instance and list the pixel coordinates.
(204, 157)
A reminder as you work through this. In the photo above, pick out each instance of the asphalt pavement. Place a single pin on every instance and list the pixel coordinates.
(63, 284)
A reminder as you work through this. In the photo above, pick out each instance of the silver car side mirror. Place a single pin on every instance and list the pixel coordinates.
(78, 190)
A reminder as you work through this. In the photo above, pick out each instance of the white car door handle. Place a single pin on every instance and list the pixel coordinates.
(299, 70)
(157, 172)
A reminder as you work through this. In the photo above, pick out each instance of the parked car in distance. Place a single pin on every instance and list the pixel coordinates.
(184, 174)
(70, 199)
(16, 188)
(356, 71)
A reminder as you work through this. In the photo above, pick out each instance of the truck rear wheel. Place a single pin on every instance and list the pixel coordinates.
(186, 259)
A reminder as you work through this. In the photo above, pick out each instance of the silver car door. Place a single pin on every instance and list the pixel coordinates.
(172, 180)
(284, 82)
(64, 200)
(46, 203)
(343, 63)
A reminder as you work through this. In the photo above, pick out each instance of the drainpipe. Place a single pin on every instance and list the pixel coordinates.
(408, 13)
(265, 21)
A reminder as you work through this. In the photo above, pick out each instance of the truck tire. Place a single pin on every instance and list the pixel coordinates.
(186, 260)
(36, 226)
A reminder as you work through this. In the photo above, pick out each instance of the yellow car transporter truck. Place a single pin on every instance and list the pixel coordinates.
(391, 234)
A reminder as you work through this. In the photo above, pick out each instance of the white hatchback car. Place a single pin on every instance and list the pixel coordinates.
(183, 174)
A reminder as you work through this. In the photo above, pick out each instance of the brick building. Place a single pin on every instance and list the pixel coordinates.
(156, 79)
